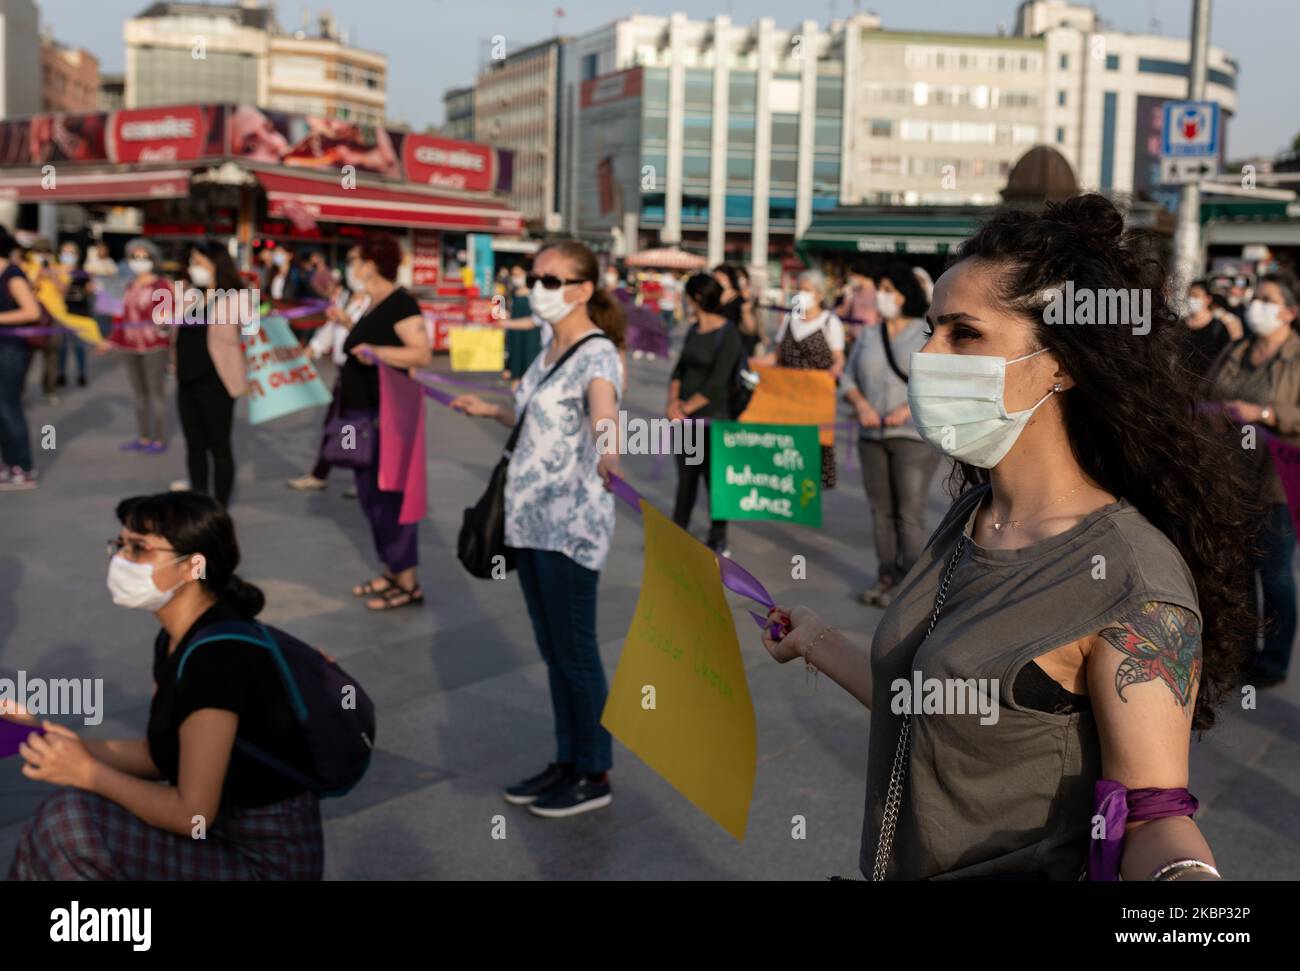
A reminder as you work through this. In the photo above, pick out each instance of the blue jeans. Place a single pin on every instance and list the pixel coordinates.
(15, 446)
(561, 599)
(1275, 577)
(73, 343)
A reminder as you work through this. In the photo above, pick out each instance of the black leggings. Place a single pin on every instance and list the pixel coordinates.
(688, 486)
(207, 415)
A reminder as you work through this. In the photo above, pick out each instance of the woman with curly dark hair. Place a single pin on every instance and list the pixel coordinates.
(1083, 606)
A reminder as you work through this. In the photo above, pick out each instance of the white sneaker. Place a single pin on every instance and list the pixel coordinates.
(18, 480)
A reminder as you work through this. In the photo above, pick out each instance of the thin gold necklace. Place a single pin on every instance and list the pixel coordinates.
(1013, 523)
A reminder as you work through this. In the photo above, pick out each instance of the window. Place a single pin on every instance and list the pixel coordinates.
(785, 131)
(589, 62)
(740, 170)
(830, 94)
(882, 128)
(743, 91)
(699, 89)
(1065, 62)
(740, 131)
(695, 168)
(1060, 136)
(655, 90)
(784, 170)
(1060, 99)
(1112, 62)
(697, 131)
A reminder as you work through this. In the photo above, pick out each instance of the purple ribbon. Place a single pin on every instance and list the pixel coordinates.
(13, 734)
(734, 576)
(1117, 806)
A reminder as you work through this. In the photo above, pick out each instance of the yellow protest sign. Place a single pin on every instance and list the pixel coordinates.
(679, 698)
(789, 396)
(478, 348)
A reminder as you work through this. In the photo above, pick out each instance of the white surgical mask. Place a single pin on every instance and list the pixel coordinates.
(200, 276)
(957, 405)
(887, 304)
(279, 258)
(131, 585)
(1195, 305)
(550, 305)
(68, 259)
(611, 281)
(1263, 318)
(139, 266)
(354, 284)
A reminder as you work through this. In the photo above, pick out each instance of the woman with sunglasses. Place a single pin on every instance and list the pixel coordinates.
(221, 814)
(390, 333)
(1081, 609)
(560, 518)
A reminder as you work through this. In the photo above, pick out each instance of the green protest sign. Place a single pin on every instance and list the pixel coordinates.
(768, 472)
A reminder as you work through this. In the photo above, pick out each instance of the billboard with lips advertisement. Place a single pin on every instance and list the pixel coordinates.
(184, 133)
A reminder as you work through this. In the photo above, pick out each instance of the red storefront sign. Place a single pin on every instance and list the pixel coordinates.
(426, 257)
(447, 164)
(173, 134)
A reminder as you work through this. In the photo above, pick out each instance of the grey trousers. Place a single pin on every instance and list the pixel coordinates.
(896, 473)
(148, 376)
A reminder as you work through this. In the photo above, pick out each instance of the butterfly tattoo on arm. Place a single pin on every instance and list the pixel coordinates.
(1161, 643)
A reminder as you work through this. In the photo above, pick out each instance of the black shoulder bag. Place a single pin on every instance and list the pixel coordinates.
(889, 352)
(483, 530)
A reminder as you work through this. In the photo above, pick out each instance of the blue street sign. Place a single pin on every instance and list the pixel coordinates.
(1191, 130)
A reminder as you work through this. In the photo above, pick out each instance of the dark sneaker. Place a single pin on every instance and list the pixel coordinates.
(579, 795)
(521, 794)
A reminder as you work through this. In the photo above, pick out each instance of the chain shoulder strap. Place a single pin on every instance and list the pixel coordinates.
(898, 772)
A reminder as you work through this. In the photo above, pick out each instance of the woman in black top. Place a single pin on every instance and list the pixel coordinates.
(1208, 331)
(210, 370)
(222, 815)
(391, 333)
(700, 388)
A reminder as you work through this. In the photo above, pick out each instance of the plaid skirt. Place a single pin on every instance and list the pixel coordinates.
(77, 835)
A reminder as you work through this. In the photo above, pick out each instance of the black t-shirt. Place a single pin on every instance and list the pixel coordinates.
(706, 366)
(193, 362)
(77, 296)
(733, 309)
(379, 327)
(234, 676)
(1204, 345)
(7, 301)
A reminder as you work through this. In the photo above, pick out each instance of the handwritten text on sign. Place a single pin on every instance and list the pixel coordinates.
(768, 472)
(280, 377)
(788, 396)
(681, 651)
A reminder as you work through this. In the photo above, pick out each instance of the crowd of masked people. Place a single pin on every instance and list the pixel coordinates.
(113, 820)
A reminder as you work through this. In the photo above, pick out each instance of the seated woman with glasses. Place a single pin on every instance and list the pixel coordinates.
(222, 815)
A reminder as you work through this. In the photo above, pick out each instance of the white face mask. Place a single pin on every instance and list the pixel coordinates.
(131, 585)
(279, 258)
(200, 276)
(887, 304)
(355, 284)
(957, 405)
(1263, 318)
(550, 305)
(1195, 305)
(611, 281)
(139, 266)
(68, 259)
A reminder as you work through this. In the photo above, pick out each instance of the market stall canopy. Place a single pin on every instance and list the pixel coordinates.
(62, 185)
(891, 229)
(325, 199)
(667, 258)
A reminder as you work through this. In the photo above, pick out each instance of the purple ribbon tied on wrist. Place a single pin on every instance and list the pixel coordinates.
(1118, 806)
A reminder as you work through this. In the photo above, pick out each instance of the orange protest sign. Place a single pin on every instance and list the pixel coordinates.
(787, 396)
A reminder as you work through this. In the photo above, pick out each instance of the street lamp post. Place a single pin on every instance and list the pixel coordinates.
(1187, 233)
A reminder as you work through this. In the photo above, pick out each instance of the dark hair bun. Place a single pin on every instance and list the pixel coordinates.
(1089, 215)
(246, 598)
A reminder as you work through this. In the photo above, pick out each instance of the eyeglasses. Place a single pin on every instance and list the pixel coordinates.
(549, 281)
(135, 547)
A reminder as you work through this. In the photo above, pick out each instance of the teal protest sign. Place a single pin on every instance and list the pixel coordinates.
(770, 472)
(281, 378)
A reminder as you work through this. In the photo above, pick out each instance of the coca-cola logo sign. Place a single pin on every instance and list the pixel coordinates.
(447, 164)
(158, 134)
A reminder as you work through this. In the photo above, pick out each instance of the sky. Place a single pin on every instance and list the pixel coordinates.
(433, 45)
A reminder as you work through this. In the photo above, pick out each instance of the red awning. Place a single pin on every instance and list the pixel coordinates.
(65, 186)
(326, 200)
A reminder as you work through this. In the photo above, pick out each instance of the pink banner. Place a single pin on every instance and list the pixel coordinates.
(401, 442)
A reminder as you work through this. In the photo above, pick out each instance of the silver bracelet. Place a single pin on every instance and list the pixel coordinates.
(1179, 868)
